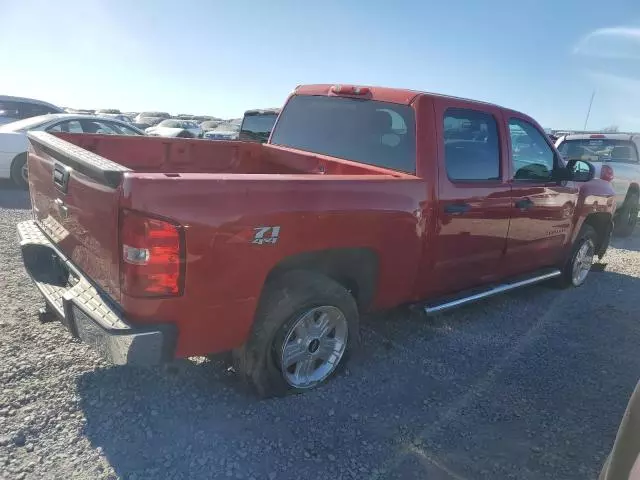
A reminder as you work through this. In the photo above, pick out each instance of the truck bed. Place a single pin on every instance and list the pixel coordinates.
(220, 194)
(181, 155)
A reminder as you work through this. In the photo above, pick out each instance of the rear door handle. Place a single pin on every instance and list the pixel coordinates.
(524, 203)
(457, 208)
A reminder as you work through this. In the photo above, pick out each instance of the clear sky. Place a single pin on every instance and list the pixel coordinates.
(221, 57)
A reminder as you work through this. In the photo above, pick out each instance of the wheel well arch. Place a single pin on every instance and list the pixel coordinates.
(601, 222)
(356, 269)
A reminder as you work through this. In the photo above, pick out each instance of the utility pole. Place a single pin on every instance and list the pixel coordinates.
(589, 110)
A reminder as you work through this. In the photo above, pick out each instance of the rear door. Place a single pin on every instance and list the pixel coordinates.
(474, 195)
(543, 208)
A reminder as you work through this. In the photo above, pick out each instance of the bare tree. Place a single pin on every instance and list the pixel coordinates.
(611, 129)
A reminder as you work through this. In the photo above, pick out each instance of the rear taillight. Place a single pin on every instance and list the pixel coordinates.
(152, 252)
(606, 173)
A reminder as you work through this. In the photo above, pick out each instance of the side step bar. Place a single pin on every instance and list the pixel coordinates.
(436, 308)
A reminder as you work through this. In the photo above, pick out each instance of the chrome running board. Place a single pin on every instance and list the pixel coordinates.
(495, 290)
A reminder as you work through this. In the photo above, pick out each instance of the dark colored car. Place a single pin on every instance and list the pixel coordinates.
(257, 125)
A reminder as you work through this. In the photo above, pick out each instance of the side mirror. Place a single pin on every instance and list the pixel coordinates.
(581, 170)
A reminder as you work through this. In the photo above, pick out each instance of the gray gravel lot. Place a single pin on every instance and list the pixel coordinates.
(529, 385)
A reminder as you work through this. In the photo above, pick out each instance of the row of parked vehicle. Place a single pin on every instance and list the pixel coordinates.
(21, 115)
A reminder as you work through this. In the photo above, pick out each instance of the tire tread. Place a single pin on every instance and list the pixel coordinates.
(283, 299)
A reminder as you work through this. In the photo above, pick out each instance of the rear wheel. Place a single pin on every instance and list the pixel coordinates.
(305, 329)
(19, 171)
(627, 216)
(577, 269)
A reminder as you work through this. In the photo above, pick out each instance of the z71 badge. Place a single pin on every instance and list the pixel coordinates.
(266, 235)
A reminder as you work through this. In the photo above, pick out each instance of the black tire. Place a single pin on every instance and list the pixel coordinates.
(16, 171)
(282, 303)
(185, 134)
(627, 216)
(587, 234)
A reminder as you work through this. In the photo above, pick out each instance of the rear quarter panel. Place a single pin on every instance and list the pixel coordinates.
(225, 271)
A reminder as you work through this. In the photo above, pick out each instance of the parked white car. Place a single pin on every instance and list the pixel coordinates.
(614, 155)
(19, 108)
(14, 143)
(175, 128)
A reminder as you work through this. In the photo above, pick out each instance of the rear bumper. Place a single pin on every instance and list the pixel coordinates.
(87, 312)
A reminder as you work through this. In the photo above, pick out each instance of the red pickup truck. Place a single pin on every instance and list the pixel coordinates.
(363, 199)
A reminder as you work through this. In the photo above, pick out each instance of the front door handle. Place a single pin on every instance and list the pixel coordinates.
(457, 208)
(524, 203)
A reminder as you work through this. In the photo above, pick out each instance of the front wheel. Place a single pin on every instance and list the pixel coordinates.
(305, 329)
(577, 269)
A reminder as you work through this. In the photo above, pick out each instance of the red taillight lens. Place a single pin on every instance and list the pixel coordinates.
(151, 262)
(606, 173)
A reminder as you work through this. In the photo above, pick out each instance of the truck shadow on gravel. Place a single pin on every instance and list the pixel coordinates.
(528, 385)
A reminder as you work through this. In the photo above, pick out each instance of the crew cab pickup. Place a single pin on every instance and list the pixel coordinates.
(363, 199)
(615, 157)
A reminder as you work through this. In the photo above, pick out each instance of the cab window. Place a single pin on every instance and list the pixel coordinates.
(531, 156)
(471, 145)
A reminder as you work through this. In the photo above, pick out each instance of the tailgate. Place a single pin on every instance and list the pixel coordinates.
(75, 196)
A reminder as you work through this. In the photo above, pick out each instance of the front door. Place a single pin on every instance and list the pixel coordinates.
(543, 209)
(474, 197)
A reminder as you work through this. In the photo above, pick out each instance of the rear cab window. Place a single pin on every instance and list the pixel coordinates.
(599, 150)
(375, 133)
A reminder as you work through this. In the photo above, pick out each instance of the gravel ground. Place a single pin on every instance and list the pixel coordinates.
(529, 385)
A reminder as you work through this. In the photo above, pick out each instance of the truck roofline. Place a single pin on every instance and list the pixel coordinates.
(401, 96)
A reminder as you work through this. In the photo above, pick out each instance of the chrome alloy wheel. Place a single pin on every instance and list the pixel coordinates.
(582, 262)
(314, 346)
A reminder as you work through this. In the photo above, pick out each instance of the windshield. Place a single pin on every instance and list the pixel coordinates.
(258, 126)
(366, 131)
(26, 124)
(599, 150)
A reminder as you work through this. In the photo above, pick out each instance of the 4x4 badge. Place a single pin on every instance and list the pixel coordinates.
(266, 235)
